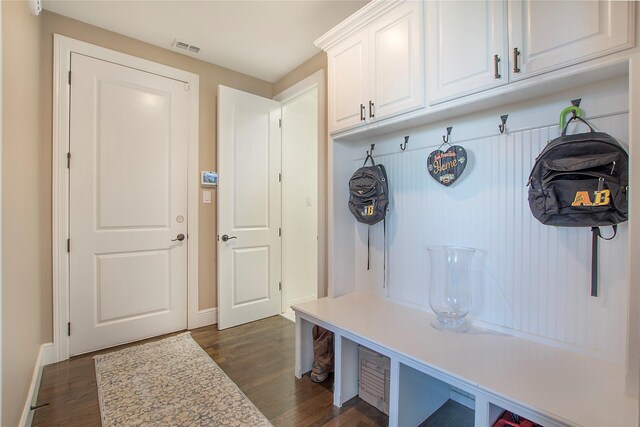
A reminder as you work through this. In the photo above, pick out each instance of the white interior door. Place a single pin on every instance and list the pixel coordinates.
(128, 200)
(299, 199)
(249, 214)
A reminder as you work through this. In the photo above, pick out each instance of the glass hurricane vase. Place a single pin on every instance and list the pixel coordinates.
(449, 288)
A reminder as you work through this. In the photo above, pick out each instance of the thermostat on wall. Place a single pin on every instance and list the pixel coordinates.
(209, 179)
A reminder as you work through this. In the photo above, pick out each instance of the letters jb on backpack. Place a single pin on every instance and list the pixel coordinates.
(581, 180)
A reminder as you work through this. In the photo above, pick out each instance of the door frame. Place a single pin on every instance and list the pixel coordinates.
(315, 80)
(63, 47)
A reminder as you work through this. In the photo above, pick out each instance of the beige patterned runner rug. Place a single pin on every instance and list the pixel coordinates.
(171, 382)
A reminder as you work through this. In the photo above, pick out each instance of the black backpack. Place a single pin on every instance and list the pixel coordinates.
(581, 180)
(369, 199)
(369, 193)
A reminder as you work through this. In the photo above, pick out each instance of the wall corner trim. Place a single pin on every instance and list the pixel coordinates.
(207, 317)
(45, 357)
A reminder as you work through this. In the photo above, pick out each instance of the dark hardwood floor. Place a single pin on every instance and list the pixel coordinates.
(258, 357)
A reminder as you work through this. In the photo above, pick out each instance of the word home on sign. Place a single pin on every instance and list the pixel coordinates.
(447, 166)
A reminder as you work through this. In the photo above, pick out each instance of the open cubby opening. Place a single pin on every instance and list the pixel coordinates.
(498, 413)
(427, 401)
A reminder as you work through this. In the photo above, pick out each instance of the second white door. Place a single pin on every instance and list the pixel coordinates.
(249, 197)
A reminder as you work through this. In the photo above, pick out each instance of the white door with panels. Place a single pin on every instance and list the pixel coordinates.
(128, 204)
(249, 214)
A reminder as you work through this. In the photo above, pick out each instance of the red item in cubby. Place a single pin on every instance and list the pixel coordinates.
(506, 420)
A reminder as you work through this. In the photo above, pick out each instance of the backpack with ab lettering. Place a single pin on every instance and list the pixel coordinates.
(581, 180)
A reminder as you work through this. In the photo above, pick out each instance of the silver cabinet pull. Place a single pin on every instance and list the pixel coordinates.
(362, 117)
(179, 238)
(371, 113)
(225, 237)
(496, 70)
(516, 54)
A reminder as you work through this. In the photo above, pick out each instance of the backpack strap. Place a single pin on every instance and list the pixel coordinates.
(368, 244)
(384, 255)
(564, 131)
(595, 234)
(369, 156)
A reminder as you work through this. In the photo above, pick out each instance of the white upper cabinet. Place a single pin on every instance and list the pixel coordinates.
(397, 79)
(467, 47)
(378, 71)
(377, 57)
(547, 35)
(348, 81)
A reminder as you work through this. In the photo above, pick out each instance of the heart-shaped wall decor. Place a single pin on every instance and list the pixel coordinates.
(447, 166)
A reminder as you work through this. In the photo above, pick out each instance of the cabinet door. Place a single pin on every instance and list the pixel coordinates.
(467, 47)
(554, 34)
(397, 61)
(348, 82)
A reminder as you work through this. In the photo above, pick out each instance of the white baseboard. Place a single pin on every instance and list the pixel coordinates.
(45, 357)
(286, 310)
(208, 316)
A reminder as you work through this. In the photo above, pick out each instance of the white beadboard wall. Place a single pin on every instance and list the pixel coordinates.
(529, 279)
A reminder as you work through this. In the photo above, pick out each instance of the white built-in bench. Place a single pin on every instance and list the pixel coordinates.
(547, 385)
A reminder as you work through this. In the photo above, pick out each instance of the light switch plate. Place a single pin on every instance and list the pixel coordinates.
(206, 197)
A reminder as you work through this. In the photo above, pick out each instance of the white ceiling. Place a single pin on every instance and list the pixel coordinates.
(264, 39)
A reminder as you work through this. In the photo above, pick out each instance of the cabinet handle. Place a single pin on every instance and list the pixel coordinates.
(362, 117)
(516, 53)
(371, 113)
(496, 71)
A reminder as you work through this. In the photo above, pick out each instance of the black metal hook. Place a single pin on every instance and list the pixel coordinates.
(503, 126)
(403, 146)
(575, 103)
(370, 156)
(445, 138)
(371, 153)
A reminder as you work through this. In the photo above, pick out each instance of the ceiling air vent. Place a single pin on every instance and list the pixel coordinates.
(186, 46)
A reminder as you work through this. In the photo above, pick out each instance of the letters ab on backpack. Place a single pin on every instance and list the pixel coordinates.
(581, 180)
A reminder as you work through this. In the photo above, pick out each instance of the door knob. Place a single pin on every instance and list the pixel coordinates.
(179, 238)
(225, 237)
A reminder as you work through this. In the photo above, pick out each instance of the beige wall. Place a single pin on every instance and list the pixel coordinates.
(210, 77)
(26, 276)
(313, 64)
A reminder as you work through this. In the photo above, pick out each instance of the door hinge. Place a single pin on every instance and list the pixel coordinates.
(69, 77)
(187, 87)
(280, 231)
(279, 286)
(68, 245)
(68, 329)
(68, 160)
(279, 177)
(280, 123)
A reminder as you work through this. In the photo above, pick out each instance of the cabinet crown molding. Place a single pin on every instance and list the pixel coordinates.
(356, 22)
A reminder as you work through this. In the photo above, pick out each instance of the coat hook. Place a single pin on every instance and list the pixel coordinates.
(445, 138)
(575, 111)
(503, 126)
(576, 103)
(404, 145)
